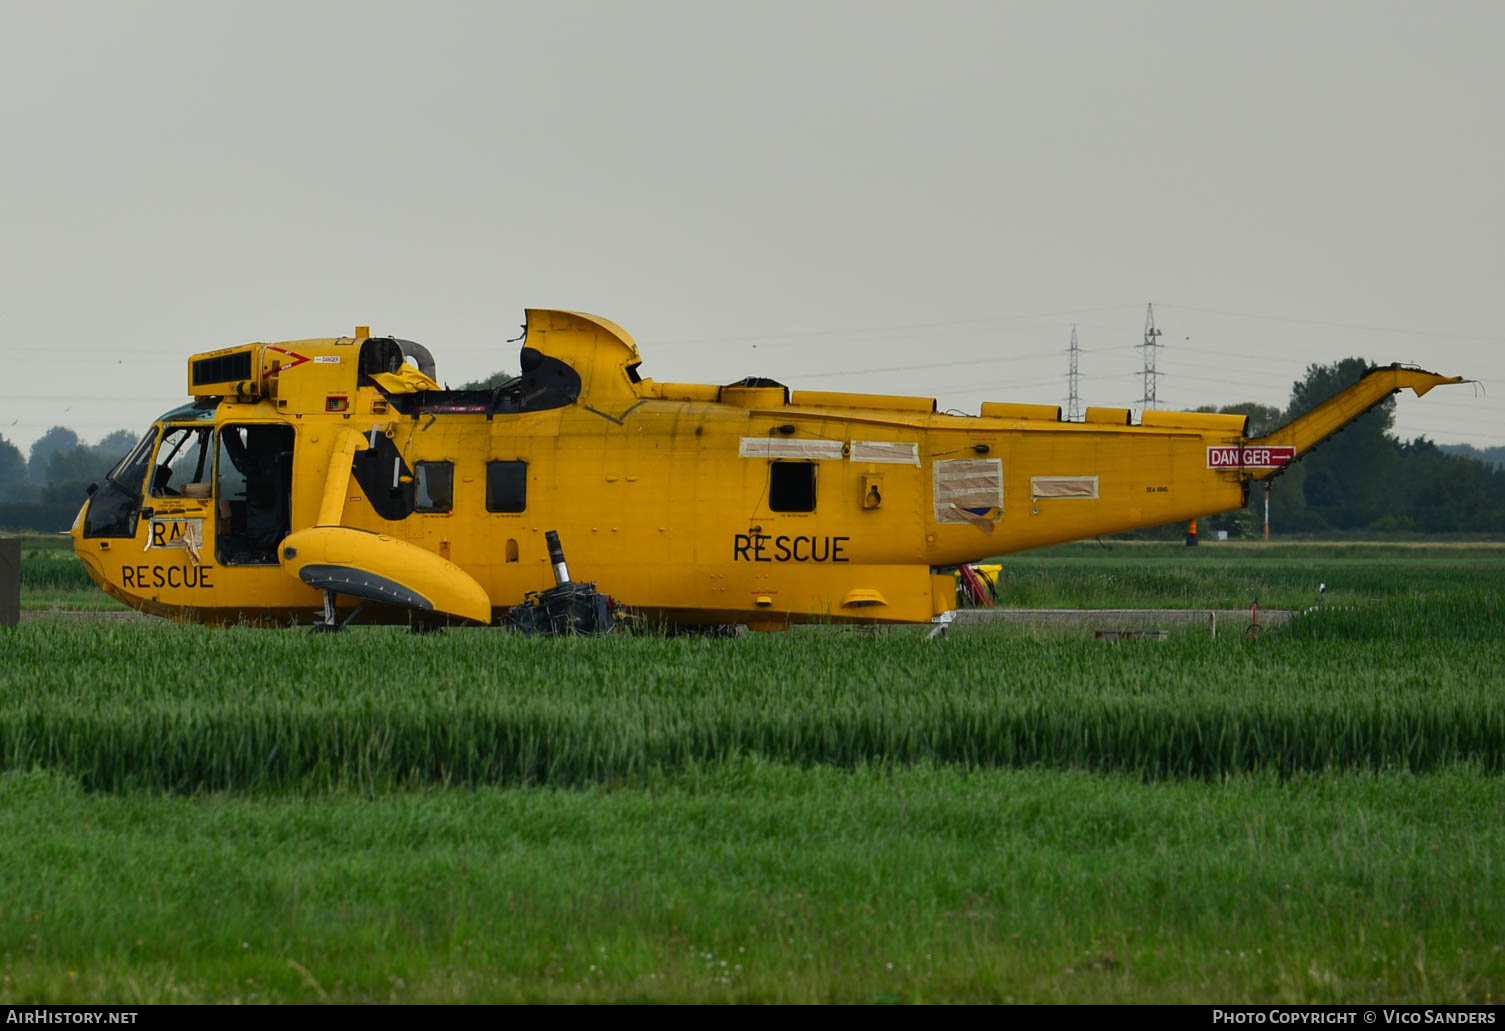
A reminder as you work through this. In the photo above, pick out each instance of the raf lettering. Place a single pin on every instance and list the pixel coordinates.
(167, 533)
(762, 547)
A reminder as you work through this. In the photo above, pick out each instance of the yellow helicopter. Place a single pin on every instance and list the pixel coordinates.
(333, 479)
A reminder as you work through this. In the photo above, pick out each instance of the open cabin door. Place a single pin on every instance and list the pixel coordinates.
(253, 495)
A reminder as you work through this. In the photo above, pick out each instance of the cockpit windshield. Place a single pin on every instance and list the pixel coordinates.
(114, 507)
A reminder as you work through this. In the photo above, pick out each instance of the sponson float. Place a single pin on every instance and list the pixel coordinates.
(308, 479)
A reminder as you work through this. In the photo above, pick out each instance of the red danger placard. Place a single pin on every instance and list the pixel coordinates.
(1235, 457)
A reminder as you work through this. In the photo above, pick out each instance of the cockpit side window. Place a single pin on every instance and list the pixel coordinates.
(183, 458)
(131, 469)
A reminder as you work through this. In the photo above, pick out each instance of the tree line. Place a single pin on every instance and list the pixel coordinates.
(1363, 478)
(43, 491)
(1488, 455)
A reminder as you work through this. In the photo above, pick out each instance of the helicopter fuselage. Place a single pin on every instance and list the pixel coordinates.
(336, 462)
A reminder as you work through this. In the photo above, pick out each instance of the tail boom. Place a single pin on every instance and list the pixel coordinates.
(1307, 431)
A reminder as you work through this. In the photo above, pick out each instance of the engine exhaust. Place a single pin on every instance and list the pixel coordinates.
(556, 557)
(565, 608)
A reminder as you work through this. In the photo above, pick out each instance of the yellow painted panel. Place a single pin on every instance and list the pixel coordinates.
(753, 397)
(871, 402)
(688, 391)
(1211, 421)
(1004, 410)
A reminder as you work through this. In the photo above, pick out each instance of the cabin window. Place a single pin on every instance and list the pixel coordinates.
(506, 486)
(791, 487)
(434, 487)
(182, 459)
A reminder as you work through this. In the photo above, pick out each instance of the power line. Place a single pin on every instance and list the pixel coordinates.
(1433, 334)
(142, 398)
(973, 387)
(676, 341)
(1242, 380)
(924, 365)
(1245, 357)
(1471, 434)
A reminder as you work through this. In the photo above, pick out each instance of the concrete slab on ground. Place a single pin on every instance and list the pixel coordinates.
(1231, 620)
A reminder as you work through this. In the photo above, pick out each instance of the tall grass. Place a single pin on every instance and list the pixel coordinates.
(755, 882)
(1408, 684)
(1234, 576)
(52, 570)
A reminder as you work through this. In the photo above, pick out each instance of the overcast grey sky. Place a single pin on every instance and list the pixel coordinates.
(800, 190)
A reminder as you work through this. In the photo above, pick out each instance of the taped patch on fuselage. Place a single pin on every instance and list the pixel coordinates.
(893, 453)
(1063, 486)
(184, 534)
(969, 490)
(786, 447)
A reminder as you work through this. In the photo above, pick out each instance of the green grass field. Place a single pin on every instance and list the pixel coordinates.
(190, 814)
(1130, 574)
(53, 579)
(746, 881)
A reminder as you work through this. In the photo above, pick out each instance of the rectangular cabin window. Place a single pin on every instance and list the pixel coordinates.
(435, 487)
(506, 486)
(791, 487)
